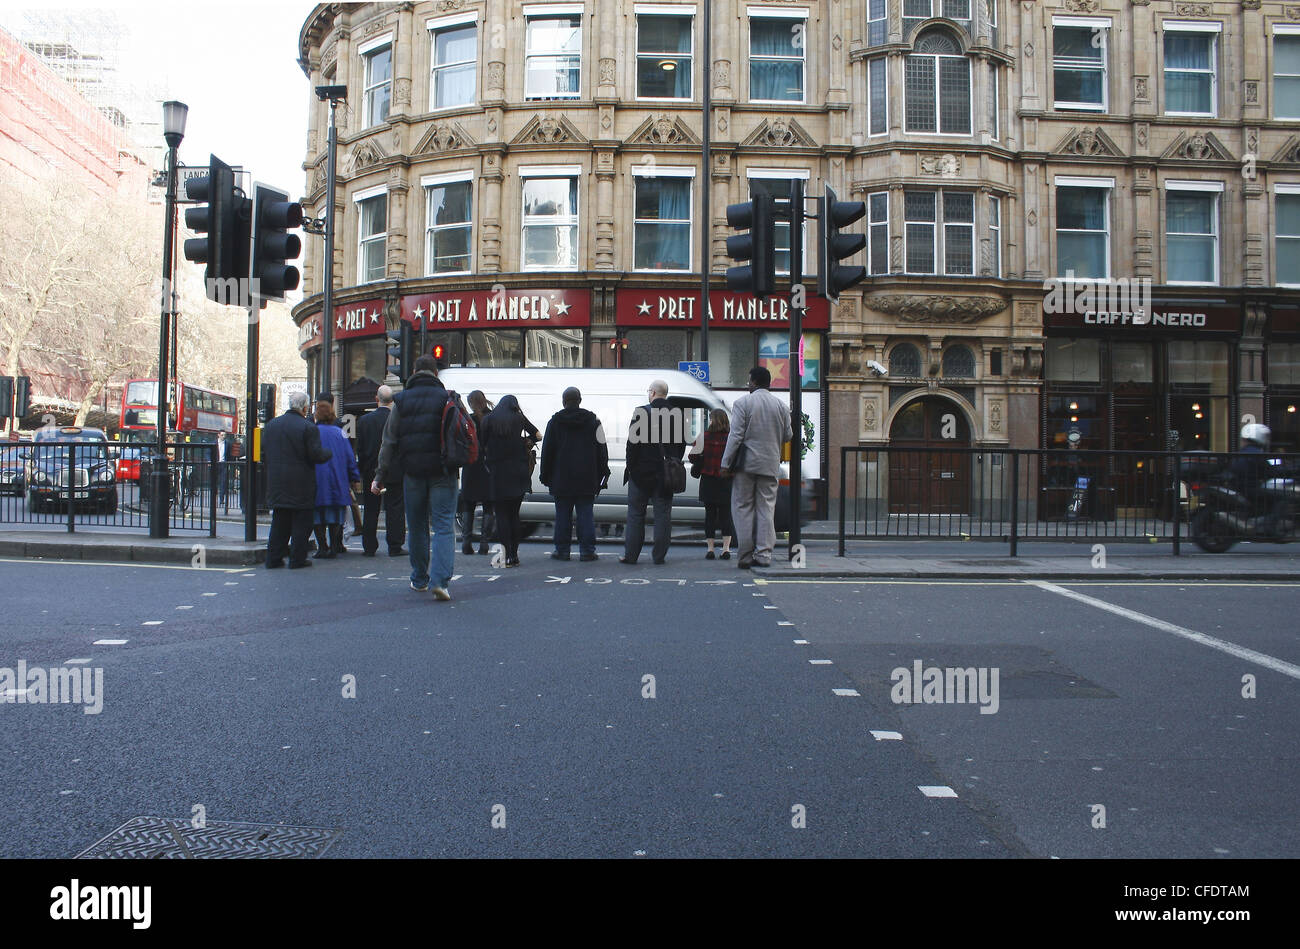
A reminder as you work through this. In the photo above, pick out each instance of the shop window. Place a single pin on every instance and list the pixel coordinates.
(455, 65)
(662, 226)
(453, 347)
(556, 347)
(663, 56)
(1074, 421)
(488, 348)
(777, 45)
(1190, 69)
(1079, 48)
(1202, 362)
(1287, 231)
(1286, 72)
(958, 363)
(905, 362)
(774, 356)
(937, 86)
(1284, 364)
(655, 348)
(379, 83)
(553, 56)
(1072, 360)
(731, 356)
(364, 359)
(1131, 363)
(1284, 420)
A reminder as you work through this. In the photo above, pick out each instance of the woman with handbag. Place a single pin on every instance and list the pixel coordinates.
(715, 487)
(508, 439)
(475, 488)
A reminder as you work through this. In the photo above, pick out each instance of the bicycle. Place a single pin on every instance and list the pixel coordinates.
(185, 490)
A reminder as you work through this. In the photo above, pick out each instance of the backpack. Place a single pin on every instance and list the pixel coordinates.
(459, 436)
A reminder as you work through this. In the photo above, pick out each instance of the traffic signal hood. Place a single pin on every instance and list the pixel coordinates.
(266, 402)
(221, 249)
(833, 278)
(400, 345)
(758, 246)
(274, 215)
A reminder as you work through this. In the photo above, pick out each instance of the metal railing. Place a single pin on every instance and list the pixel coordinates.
(1014, 495)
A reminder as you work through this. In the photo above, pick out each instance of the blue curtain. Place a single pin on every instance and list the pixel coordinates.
(1185, 91)
(772, 79)
(669, 244)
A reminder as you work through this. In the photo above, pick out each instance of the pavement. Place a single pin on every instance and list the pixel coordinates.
(1087, 558)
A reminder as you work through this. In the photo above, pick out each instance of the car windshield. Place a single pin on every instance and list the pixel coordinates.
(84, 453)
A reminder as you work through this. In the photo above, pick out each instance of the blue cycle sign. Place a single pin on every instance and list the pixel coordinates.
(700, 370)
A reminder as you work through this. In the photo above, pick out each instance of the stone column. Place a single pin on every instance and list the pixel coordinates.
(605, 231)
(403, 61)
(396, 243)
(490, 216)
(497, 26)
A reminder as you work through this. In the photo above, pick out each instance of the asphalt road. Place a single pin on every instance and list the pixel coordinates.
(524, 702)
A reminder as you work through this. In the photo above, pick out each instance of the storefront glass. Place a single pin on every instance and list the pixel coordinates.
(364, 359)
(553, 348)
(492, 348)
(655, 349)
(1073, 360)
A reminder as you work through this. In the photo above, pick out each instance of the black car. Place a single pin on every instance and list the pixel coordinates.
(12, 475)
(91, 470)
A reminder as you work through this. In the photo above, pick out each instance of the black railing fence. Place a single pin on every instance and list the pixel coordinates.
(1014, 495)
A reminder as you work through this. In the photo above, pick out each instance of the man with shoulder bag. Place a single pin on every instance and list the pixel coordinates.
(760, 425)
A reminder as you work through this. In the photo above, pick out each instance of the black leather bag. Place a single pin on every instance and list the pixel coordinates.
(674, 474)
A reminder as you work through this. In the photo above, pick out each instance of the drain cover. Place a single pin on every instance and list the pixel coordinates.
(164, 837)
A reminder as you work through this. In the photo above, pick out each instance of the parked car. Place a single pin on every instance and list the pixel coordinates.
(12, 475)
(94, 483)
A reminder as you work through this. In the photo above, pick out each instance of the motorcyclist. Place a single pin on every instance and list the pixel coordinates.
(1250, 469)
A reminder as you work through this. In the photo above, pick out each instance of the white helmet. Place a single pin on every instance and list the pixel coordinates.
(1254, 432)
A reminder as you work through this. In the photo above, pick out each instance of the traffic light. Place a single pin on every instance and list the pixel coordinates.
(265, 402)
(219, 251)
(274, 215)
(833, 246)
(439, 354)
(758, 246)
(401, 347)
(22, 396)
(6, 397)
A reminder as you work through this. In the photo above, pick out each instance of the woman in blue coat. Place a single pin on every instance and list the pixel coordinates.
(336, 480)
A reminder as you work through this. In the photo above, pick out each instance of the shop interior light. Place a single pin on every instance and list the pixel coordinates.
(1074, 406)
(1291, 409)
(1074, 418)
(1200, 415)
(1196, 406)
(668, 65)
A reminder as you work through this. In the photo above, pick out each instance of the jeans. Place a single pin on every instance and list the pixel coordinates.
(564, 508)
(634, 533)
(431, 501)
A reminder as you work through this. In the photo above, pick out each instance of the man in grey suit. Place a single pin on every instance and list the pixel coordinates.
(760, 425)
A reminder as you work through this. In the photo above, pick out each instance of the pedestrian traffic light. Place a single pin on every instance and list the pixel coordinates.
(265, 402)
(6, 396)
(834, 246)
(439, 353)
(274, 215)
(218, 251)
(758, 246)
(401, 346)
(22, 396)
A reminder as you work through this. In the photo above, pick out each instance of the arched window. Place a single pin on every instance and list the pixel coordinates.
(905, 361)
(958, 363)
(937, 85)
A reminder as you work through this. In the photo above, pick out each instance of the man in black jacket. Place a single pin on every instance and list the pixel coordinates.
(657, 432)
(575, 466)
(291, 450)
(413, 440)
(370, 435)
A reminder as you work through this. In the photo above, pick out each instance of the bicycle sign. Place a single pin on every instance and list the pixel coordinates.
(700, 370)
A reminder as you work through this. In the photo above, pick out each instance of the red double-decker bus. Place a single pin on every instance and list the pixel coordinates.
(203, 412)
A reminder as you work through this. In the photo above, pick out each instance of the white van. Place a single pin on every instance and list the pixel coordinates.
(614, 395)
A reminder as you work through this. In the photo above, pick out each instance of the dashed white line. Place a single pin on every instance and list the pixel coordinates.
(76, 662)
(184, 607)
(845, 692)
(821, 662)
(768, 606)
(784, 622)
(109, 642)
(152, 622)
(800, 642)
(936, 790)
(886, 736)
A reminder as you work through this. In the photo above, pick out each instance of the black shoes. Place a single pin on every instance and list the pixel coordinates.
(396, 552)
(467, 550)
(630, 563)
(588, 558)
(298, 566)
(710, 556)
(726, 555)
(557, 556)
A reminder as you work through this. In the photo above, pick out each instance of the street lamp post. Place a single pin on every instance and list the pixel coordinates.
(174, 115)
(333, 95)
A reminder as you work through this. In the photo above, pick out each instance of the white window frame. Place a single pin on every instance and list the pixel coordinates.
(783, 13)
(428, 182)
(433, 27)
(883, 18)
(1067, 181)
(1204, 187)
(1085, 22)
(884, 99)
(665, 171)
(1294, 191)
(363, 239)
(1185, 26)
(661, 9)
(1290, 31)
(551, 171)
(938, 95)
(995, 234)
(366, 51)
(789, 174)
(939, 232)
(994, 105)
(545, 11)
(871, 226)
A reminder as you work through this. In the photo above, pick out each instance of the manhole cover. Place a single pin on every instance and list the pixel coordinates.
(164, 837)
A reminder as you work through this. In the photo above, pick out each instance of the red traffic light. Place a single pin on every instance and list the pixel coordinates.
(437, 351)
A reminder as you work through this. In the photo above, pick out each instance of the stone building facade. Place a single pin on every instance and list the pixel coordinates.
(541, 163)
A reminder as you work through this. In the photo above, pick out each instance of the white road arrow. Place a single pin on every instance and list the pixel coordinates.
(551, 579)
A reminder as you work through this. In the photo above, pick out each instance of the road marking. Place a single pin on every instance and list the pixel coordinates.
(1232, 649)
(769, 607)
(232, 583)
(845, 692)
(784, 622)
(114, 563)
(936, 790)
(821, 662)
(886, 736)
(152, 622)
(800, 642)
(13, 694)
(110, 642)
(935, 583)
(76, 662)
(551, 579)
(209, 594)
(758, 594)
(184, 607)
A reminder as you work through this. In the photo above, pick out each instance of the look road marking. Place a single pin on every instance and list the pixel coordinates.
(1232, 649)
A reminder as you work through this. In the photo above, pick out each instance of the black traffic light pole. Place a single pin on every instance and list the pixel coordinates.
(250, 412)
(797, 301)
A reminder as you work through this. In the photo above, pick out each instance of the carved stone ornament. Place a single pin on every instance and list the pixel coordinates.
(1293, 13)
(402, 92)
(1252, 140)
(945, 166)
(367, 153)
(995, 412)
(492, 125)
(443, 137)
(449, 6)
(1193, 9)
(662, 129)
(870, 421)
(1142, 130)
(721, 73)
(1252, 91)
(1140, 87)
(373, 27)
(548, 130)
(1083, 6)
(926, 308)
(496, 75)
(608, 72)
(722, 123)
(780, 131)
(1088, 143)
(1032, 218)
(1198, 146)
(836, 42)
(1290, 152)
(1250, 4)
(1029, 49)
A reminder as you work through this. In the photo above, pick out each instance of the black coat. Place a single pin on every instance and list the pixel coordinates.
(475, 485)
(419, 426)
(575, 458)
(651, 439)
(505, 446)
(370, 435)
(291, 449)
